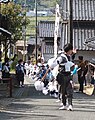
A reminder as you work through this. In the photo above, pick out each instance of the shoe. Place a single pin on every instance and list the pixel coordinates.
(61, 104)
(62, 108)
(22, 85)
(52, 95)
(58, 101)
(55, 95)
(70, 108)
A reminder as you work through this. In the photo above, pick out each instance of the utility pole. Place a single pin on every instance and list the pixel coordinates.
(70, 22)
(24, 30)
(36, 29)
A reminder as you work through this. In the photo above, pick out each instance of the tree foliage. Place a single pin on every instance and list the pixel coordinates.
(14, 19)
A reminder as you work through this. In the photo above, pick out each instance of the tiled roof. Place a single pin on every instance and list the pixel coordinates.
(80, 35)
(90, 42)
(46, 29)
(82, 9)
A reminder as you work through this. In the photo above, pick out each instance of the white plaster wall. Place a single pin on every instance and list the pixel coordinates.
(88, 55)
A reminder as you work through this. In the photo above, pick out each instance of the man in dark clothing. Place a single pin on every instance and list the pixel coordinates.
(64, 77)
(81, 75)
(20, 73)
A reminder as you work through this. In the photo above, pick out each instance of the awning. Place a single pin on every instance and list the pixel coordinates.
(20, 43)
(5, 32)
(32, 41)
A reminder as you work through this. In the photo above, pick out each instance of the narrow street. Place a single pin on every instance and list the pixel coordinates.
(29, 104)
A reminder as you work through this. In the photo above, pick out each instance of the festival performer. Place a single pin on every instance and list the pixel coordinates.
(64, 76)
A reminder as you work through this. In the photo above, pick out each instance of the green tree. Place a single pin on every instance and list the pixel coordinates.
(15, 19)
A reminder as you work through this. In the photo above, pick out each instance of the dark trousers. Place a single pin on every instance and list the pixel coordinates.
(20, 78)
(21, 81)
(45, 82)
(59, 92)
(81, 82)
(85, 81)
(67, 90)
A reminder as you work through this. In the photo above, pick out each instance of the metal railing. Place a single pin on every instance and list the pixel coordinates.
(8, 81)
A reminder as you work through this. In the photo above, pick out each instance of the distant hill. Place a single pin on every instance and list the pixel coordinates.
(41, 4)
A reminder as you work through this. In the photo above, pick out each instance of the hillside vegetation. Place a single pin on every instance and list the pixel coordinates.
(40, 3)
(31, 27)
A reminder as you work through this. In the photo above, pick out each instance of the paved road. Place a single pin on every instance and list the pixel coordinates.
(33, 105)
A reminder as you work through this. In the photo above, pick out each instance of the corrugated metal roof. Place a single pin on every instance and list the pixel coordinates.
(82, 9)
(46, 29)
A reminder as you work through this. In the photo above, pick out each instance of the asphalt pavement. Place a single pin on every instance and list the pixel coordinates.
(29, 104)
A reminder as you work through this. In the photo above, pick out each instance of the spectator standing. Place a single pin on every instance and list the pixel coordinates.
(20, 73)
(81, 75)
(6, 67)
(85, 72)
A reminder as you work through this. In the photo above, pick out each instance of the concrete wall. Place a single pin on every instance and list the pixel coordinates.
(88, 55)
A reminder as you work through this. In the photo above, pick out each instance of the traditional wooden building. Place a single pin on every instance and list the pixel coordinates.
(83, 19)
(46, 33)
(83, 29)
